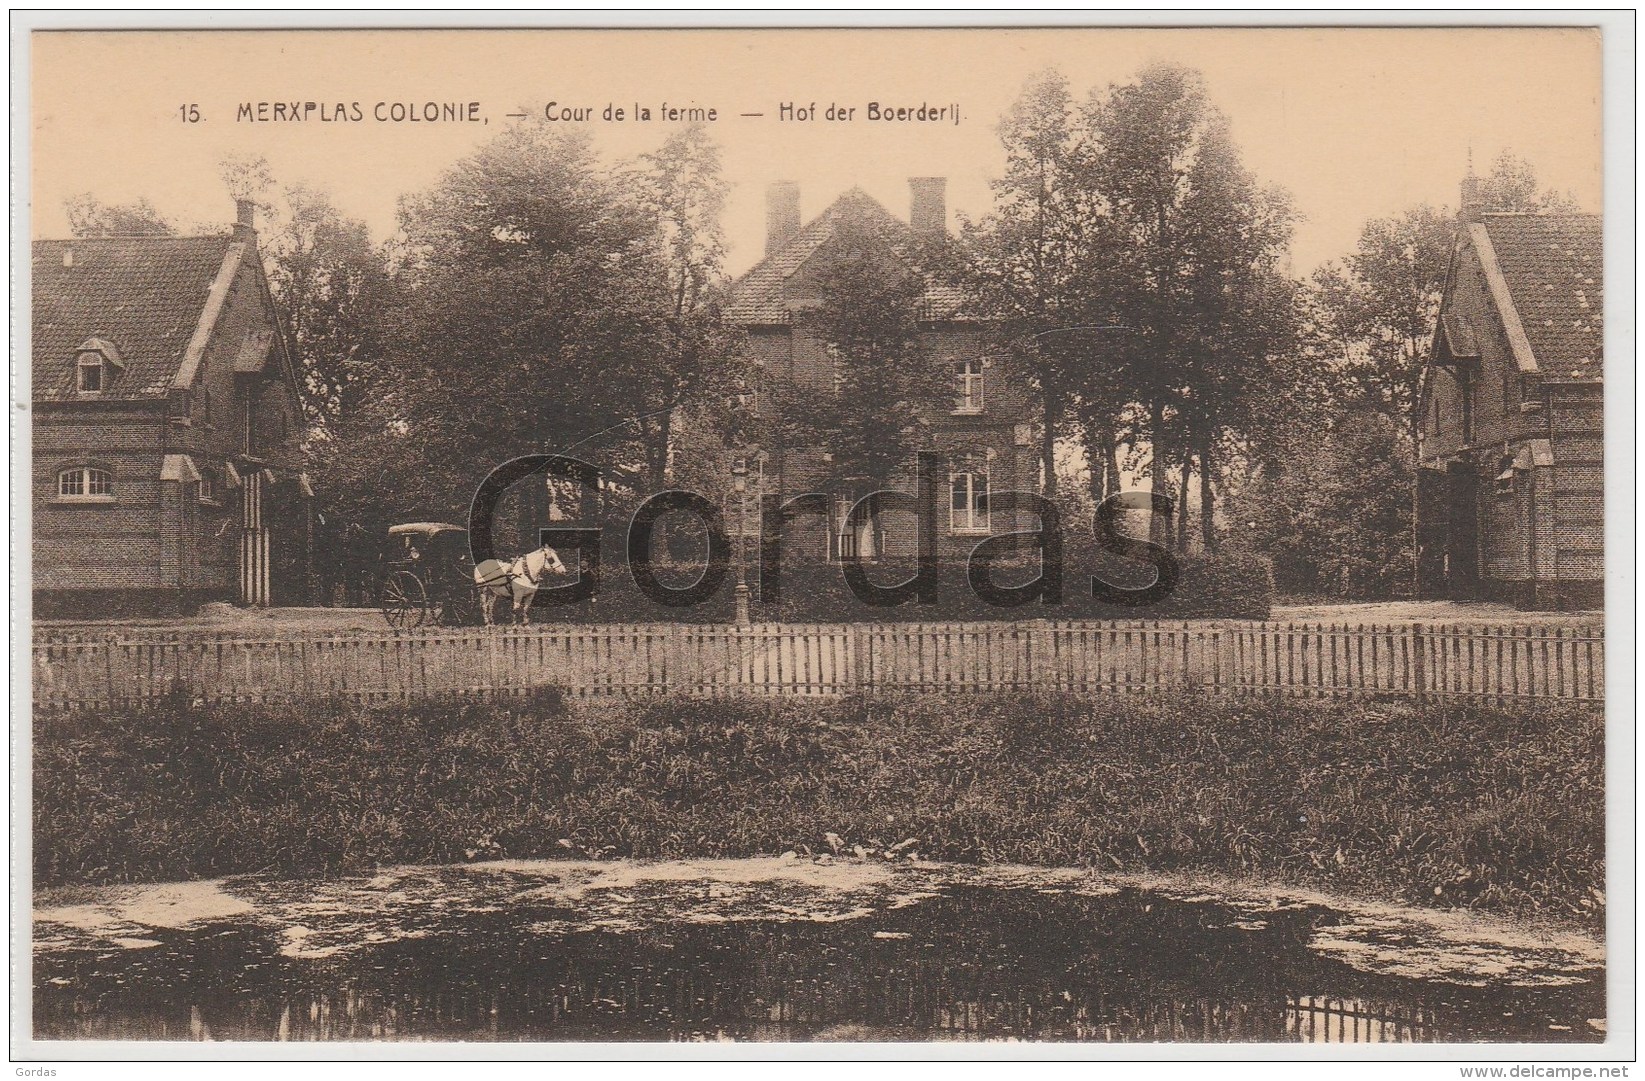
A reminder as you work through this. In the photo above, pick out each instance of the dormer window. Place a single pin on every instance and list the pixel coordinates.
(96, 362)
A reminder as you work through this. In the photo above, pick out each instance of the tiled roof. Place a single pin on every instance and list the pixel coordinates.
(1554, 270)
(757, 297)
(143, 294)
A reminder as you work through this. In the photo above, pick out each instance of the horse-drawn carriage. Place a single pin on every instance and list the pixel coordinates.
(429, 578)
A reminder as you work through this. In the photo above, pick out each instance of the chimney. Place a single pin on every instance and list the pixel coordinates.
(245, 219)
(1471, 204)
(928, 205)
(782, 214)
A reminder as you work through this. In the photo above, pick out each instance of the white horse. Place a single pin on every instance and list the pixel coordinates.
(518, 581)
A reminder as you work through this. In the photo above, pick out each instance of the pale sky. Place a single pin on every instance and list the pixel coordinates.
(1355, 123)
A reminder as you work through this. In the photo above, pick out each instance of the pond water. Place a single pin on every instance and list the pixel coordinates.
(790, 949)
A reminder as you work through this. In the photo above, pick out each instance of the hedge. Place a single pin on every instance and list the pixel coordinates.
(1209, 587)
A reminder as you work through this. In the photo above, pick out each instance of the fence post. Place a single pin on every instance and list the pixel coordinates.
(1419, 662)
(108, 668)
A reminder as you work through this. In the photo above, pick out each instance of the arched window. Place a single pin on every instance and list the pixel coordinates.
(968, 494)
(85, 484)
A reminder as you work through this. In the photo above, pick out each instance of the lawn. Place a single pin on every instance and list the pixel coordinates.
(1450, 805)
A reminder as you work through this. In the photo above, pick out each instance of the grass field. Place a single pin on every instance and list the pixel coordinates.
(1499, 809)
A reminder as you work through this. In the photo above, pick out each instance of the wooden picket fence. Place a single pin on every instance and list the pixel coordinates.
(77, 671)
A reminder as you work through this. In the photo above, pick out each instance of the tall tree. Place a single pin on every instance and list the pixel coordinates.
(531, 309)
(1375, 310)
(1029, 260)
(1193, 265)
(1512, 185)
(885, 388)
(685, 193)
(333, 286)
(90, 217)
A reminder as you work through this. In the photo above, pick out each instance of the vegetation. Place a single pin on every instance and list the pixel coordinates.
(1230, 586)
(1368, 323)
(886, 387)
(1134, 266)
(1132, 272)
(1494, 808)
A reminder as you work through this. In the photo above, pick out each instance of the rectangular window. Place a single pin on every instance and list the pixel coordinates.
(968, 386)
(968, 503)
(91, 374)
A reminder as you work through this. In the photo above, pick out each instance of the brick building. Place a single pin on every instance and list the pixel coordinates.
(986, 440)
(166, 428)
(1510, 489)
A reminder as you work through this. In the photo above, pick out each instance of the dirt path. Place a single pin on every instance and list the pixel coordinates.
(1430, 612)
(230, 620)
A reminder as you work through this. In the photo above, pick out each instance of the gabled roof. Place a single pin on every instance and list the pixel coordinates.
(757, 298)
(148, 295)
(1549, 272)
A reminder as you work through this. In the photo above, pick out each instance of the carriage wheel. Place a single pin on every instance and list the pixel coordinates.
(404, 601)
(461, 609)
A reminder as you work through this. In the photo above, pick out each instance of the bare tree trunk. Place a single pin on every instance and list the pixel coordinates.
(1207, 503)
(1097, 454)
(1182, 504)
(1158, 526)
(1050, 415)
(658, 466)
(1112, 483)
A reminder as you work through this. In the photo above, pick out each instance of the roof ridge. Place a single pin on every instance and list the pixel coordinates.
(130, 236)
(1540, 214)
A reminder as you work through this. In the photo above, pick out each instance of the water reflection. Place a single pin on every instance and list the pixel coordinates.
(971, 963)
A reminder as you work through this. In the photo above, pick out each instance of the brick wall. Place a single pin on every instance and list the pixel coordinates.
(157, 546)
(1000, 435)
(1577, 482)
(91, 545)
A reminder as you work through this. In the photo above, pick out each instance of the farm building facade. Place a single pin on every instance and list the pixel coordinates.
(985, 442)
(166, 428)
(1510, 495)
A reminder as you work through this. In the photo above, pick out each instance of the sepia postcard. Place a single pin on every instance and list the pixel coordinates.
(1082, 541)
